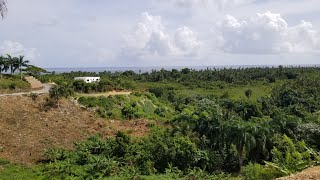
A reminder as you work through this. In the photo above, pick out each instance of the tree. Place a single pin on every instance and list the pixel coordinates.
(12, 63)
(6, 65)
(248, 93)
(34, 70)
(2, 63)
(56, 93)
(3, 8)
(21, 63)
(241, 134)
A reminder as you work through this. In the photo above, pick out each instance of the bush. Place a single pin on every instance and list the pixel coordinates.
(257, 171)
(292, 156)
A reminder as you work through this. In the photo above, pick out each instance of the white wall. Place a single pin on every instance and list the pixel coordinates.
(88, 79)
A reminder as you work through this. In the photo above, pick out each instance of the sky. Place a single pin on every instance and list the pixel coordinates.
(136, 33)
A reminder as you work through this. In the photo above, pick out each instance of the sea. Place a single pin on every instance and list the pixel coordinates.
(150, 69)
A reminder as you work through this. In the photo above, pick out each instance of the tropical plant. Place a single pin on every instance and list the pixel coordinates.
(257, 171)
(241, 134)
(6, 65)
(20, 63)
(248, 93)
(55, 94)
(34, 70)
(290, 156)
(12, 62)
(2, 63)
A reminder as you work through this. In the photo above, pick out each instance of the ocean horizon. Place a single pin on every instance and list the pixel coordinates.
(144, 69)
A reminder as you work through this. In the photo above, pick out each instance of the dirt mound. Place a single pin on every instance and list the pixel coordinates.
(308, 174)
(26, 131)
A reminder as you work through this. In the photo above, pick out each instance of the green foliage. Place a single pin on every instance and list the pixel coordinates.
(257, 171)
(310, 133)
(55, 94)
(135, 106)
(99, 157)
(292, 156)
(10, 171)
(11, 82)
(218, 120)
(248, 93)
(34, 70)
(58, 92)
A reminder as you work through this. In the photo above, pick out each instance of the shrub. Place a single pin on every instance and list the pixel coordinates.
(257, 171)
(292, 156)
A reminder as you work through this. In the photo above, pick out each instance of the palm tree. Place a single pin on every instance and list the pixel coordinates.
(3, 8)
(10, 63)
(13, 63)
(241, 134)
(263, 136)
(6, 65)
(2, 62)
(21, 63)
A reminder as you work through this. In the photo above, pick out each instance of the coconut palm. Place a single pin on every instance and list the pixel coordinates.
(20, 63)
(6, 65)
(13, 63)
(241, 134)
(2, 63)
(3, 8)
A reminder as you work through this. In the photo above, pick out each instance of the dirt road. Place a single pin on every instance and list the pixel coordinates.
(46, 89)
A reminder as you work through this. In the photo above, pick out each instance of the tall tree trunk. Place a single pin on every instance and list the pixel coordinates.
(20, 72)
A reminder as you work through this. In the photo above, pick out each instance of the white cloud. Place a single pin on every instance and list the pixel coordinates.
(218, 4)
(189, 3)
(151, 37)
(64, 28)
(186, 40)
(264, 34)
(16, 49)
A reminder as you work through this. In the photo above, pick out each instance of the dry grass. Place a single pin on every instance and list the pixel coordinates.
(26, 131)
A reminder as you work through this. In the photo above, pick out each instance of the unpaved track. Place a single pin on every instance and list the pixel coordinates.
(45, 90)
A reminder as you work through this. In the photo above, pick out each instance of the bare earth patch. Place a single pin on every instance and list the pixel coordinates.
(26, 131)
(308, 174)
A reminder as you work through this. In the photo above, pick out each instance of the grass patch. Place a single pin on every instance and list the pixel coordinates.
(12, 83)
(233, 92)
(10, 171)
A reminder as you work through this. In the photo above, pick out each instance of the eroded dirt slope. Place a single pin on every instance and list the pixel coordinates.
(26, 130)
(312, 173)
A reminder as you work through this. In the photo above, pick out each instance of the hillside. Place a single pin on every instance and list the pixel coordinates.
(27, 131)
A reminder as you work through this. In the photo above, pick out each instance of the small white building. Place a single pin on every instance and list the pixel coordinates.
(88, 79)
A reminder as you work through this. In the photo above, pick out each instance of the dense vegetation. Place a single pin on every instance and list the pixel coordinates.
(253, 123)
